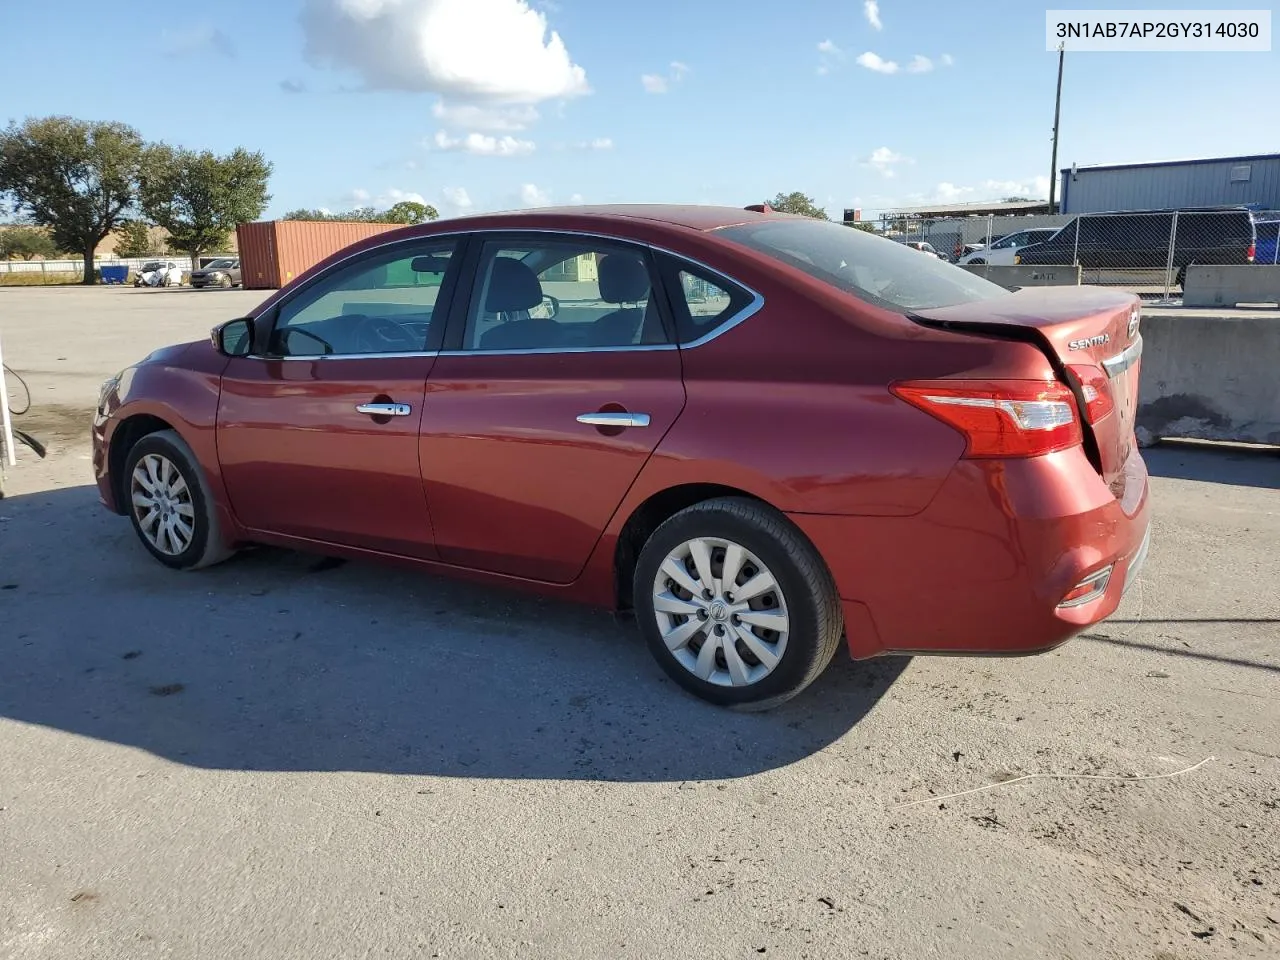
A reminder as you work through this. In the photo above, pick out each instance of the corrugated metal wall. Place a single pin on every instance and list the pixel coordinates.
(275, 252)
(1165, 186)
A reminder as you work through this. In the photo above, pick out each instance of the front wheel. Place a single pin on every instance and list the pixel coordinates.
(170, 505)
(736, 605)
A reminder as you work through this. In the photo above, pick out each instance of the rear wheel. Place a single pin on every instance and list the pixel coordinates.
(170, 505)
(735, 604)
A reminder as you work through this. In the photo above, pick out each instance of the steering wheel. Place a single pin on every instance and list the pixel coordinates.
(380, 335)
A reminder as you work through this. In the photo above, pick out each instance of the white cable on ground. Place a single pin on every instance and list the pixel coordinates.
(1058, 776)
(6, 424)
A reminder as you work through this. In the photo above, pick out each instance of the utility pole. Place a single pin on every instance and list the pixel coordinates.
(1057, 112)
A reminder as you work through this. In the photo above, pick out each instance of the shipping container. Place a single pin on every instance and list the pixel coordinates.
(274, 252)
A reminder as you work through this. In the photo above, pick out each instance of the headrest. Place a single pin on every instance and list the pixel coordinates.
(623, 278)
(512, 286)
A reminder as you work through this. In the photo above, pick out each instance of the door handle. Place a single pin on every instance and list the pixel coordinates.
(614, 419)
(384, 409)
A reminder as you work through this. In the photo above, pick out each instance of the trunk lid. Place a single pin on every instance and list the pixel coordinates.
(1091, 337)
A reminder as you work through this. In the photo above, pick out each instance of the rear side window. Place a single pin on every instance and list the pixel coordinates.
(702, 301)
(873, 269)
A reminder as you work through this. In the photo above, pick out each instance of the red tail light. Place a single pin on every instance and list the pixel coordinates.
(1096, 387)
(1001, 418)
(1252, 252)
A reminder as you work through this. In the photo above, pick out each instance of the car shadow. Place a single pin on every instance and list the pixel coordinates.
(287, 662)
(1238, 465)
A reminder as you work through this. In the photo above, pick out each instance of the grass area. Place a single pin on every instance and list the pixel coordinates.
(39, 279)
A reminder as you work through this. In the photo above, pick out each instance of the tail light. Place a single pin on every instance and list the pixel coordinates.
(1001, 418)
(1252, 251)
(1095, 385)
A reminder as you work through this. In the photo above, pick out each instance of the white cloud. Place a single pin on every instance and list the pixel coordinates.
(873, 61)
(919, 64)
(484, 145)
(657, 83)
(950, 193)
(827, 46)
(493, 50)
(829, 56)
(502, 119)
(198, 39)
(531, 195)
(872, 11)
(599, 143)
(456, 202)
(360, 197)
(884, 160)
(947, 59)
(577, 200)
(1037, 188)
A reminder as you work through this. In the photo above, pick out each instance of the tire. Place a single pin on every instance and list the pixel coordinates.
(227, 283)
(802, 599)
(189, 500)
(977, 263)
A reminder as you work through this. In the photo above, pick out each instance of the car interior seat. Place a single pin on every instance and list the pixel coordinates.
(624, 279)
(513, 291)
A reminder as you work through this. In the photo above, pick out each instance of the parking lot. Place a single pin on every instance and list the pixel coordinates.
(288, 757)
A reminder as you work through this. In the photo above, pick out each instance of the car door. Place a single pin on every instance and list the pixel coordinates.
(558, 382)
(318, 429)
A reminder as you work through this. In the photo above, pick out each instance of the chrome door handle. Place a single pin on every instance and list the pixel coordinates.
(384, 409)
(614, 419)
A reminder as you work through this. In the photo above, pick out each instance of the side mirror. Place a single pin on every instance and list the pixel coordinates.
(234, 338)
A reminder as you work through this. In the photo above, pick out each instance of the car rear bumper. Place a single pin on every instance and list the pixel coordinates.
(984, 570)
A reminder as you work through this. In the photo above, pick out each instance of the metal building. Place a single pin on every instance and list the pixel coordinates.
(1252, 181)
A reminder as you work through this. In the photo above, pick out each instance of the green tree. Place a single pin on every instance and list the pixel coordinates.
(406, 211)
(26, 243)
(409, 211)
(133, 239)
(199, 197)
(864, 225)
(75, 177)
(799, 203)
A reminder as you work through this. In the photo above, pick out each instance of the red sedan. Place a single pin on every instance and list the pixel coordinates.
(763, 433)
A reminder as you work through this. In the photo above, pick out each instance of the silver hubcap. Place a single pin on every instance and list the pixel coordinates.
(162, 504)
(721, 612)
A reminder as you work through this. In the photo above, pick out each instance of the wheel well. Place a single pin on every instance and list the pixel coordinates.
(652, 514)
(122, 441)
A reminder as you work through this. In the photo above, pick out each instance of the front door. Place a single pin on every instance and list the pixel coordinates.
(318, 430)
(558, 385)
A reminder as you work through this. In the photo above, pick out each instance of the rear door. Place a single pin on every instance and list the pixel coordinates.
(318, 431)
(558, 381)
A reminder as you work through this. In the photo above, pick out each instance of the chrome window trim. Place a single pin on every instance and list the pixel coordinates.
(750, 310)
(1123, 361)
(311, 357)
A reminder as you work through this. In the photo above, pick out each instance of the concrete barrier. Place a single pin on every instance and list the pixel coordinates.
(1020, 276)
(1228, 286)
(1209, 377)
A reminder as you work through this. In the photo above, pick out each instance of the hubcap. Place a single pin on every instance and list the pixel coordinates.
(162, 504)
(721, 612)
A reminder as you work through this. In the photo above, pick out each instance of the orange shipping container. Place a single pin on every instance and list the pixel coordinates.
(274, 252)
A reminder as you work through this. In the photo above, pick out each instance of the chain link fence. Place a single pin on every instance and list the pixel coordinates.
(1146, 253)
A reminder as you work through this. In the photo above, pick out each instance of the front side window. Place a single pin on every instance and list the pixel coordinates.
(551, 293)
(384, 303)
(870, 268)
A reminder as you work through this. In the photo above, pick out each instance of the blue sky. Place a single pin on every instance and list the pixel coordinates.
(490, 104)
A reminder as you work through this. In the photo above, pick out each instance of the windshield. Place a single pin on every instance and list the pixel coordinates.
(871, 268)
(151, 265)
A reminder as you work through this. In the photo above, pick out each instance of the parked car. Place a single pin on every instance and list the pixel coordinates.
(218, 273)
(924, 247)
(762, 433)
(158, 273)
(1220, 235)
(1002, 251)
(1266, 252)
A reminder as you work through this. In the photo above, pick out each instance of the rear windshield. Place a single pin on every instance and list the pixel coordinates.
(874, 269)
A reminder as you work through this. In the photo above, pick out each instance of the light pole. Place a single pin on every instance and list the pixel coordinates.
(1057, 112)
